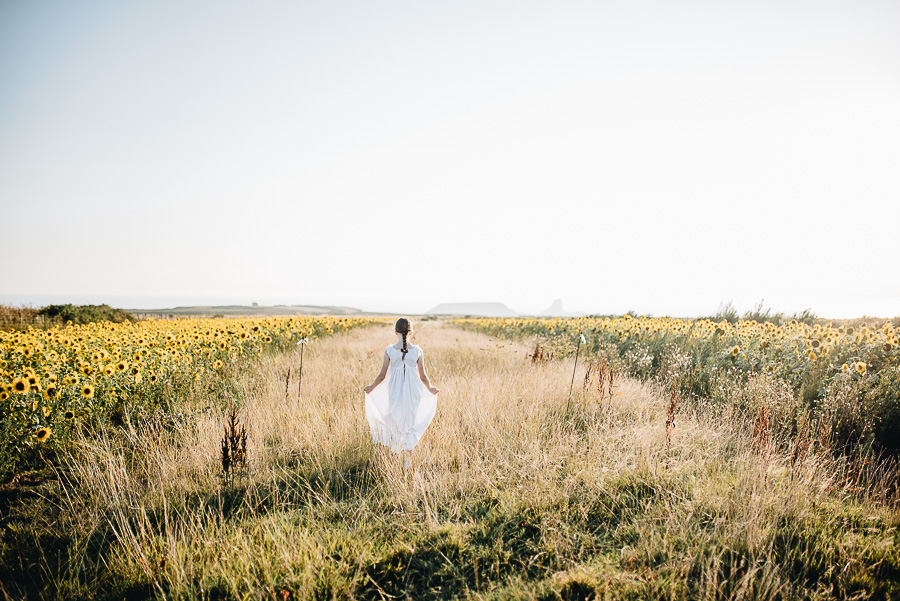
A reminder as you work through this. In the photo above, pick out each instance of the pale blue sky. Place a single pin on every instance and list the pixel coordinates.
(656, 156)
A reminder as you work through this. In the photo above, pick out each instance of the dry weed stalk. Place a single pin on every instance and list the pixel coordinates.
(762, 432)
(287, 384)
(611, 375)
(605, 375)
(801, 445)
(670, 418)
(539, 356)
(234, 448)
(588, 376)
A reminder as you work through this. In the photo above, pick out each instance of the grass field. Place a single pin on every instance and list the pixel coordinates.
(517, 492)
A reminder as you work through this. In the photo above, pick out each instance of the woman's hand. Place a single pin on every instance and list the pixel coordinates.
(368, 389)
(433, 390)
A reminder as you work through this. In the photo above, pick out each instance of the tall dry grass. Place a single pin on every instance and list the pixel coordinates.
(511, 495)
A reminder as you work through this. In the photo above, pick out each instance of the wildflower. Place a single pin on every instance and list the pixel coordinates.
(861, 368)
(42, 434)
(844, 368)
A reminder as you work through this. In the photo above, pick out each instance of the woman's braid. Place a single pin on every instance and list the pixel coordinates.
(402, 328)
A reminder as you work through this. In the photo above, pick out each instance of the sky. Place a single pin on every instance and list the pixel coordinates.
(655, 156)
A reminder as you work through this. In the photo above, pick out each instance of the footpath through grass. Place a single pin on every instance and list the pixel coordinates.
(516, 493)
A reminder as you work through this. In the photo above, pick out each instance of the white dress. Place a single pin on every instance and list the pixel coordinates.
(400, 408)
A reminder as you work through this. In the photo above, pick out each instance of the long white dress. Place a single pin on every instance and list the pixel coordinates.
(400, 408)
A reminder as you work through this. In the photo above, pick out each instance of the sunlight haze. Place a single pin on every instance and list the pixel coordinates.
(649, 156)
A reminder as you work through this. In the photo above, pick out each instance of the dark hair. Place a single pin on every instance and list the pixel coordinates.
(402, 327)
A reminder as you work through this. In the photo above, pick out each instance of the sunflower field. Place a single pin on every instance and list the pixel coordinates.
(843, 381)
(53, 381)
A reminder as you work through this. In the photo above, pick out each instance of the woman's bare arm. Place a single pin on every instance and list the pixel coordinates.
(424, 377)
(380, 377)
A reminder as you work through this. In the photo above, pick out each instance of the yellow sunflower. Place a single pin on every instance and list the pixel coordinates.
(861, 368)
(87, 391)
(20, 385)
(69, 414)
(43, 434)
(735, 351)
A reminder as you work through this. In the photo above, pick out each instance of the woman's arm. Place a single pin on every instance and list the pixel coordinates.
(424, 377)
(380, 377)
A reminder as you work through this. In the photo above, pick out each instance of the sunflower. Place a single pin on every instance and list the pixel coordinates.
(87, 391)
(811, 356)
(72, 379)
(51, 392)
(43, 434)
(735, 351)
(87, 370)
(861, 368)
(887, 347)
(108, 370)
(844, 368)
(69, 414)
(137, 378)
(20, 385)
(218, 364)
(32, 381)
(223, 346)
(121, 366)
(153, 378)
(3, 395)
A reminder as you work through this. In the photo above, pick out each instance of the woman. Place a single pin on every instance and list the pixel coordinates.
(401, 402)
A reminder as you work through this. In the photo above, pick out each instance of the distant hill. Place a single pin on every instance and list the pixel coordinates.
(556, 310)
(480, 309)
(241, 310)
